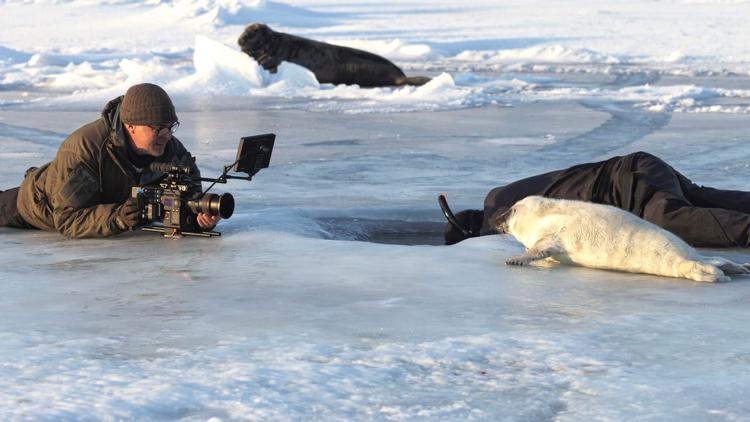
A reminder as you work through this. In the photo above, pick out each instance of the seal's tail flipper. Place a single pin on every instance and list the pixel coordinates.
(700, 271)
(412, 80)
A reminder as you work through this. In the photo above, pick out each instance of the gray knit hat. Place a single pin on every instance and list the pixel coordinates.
(147, 104)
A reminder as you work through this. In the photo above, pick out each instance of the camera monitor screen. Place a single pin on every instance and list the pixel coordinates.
(254, 153)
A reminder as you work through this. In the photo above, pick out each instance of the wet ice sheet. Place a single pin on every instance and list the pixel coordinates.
(276, 326)
(284, 318)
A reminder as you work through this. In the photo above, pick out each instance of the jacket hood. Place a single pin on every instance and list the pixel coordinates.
(111, 115)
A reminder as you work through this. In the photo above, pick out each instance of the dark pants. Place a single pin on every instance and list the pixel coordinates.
(702, 216)
(9, 216)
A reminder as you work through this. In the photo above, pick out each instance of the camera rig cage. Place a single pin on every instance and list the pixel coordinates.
(178, 198)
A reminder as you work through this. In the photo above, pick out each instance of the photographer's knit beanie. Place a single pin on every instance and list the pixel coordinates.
(147, 104)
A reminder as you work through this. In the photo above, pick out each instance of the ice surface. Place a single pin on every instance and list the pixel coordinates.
(328, 296)
(190, 46)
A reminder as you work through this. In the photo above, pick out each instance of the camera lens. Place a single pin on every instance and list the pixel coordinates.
(213, 204)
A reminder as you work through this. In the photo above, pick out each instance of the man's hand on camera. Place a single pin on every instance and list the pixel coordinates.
(207, 222)
(128, 215)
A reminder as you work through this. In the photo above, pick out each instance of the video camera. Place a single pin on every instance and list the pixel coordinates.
(177, 198)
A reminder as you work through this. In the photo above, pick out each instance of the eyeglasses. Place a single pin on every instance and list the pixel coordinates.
(171, 128)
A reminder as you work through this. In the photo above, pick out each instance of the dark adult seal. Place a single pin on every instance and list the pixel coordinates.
(330, 63)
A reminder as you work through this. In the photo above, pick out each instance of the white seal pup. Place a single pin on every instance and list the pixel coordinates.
(606, 237)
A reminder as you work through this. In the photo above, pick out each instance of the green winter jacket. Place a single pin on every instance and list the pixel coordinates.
(78, 193)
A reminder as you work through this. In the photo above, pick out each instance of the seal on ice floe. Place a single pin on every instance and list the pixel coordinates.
(330, 63)
(602, 236)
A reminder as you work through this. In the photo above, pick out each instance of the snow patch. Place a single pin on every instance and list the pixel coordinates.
(9, 55)
(395, 49)
(713, 1)
(438, 94)
(219, 13)
(289, 378)
(538, 54)
(220, 69)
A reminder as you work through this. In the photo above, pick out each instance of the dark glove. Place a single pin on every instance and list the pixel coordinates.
(128, 215)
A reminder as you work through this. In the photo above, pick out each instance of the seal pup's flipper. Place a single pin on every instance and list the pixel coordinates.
(701, 271)
(544, 248)
(330, 63)
(727, 266)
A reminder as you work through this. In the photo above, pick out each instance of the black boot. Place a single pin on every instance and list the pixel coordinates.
(9, 215)
(330, 63)
(461, 226)
(469, 224)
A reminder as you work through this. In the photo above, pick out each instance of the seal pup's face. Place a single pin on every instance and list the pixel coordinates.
(502, 221)
(525, 211)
